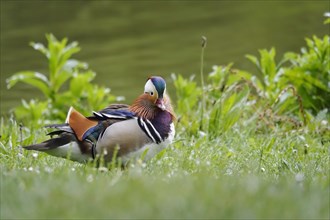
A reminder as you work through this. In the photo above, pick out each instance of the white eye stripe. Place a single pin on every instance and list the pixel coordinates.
(150, 93)
(150, 88)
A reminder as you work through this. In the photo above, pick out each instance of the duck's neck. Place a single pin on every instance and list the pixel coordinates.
(143, 108)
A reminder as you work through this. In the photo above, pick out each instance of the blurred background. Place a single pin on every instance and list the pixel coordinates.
(126, 41)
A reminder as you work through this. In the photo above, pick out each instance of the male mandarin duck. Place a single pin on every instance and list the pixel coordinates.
(148, 124)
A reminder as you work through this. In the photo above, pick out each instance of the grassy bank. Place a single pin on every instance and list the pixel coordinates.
(248, 145)
(237, 175)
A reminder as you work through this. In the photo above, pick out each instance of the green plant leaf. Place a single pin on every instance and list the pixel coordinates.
(98, 97)
(60, 79)
(33, 110)
(59, 54)
(35, 79)
(67, 71)
(72, 64)
(267, 62)
(80, 92)
(80, 82)
(40, 47)
(254, 60)
(65, 53)
(260, 73)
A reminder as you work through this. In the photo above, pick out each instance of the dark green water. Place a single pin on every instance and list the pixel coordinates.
(126, 41)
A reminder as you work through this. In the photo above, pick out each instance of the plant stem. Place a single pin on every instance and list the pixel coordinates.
(204, 40)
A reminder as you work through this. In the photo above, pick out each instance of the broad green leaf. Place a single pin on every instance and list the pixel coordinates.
(40, 47)
(310, 43)
(267, 62)
(253, 59)
(228, 103)
(35, 79)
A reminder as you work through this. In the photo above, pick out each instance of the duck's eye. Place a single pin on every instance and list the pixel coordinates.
(150, 93)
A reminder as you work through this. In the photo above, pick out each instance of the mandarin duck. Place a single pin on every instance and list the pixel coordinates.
(127, 131)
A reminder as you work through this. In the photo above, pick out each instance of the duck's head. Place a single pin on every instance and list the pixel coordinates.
(155, 90)
(153, 100)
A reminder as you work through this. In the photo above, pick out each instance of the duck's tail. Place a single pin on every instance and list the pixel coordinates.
(65, 145)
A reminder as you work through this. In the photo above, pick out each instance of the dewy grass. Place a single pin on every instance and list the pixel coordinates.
(239, 174)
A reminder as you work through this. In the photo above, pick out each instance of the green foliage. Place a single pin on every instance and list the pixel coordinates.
(226, 99)
(188, 96)
(310, 73)
(67, 83)
(32, 110)
(281, 95)
(268, 74)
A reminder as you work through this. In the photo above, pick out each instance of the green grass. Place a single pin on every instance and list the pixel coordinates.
(239, 174)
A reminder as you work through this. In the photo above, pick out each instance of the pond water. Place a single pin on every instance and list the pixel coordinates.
(126, 41)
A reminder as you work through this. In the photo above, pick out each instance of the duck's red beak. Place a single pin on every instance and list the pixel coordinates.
(160, 104)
